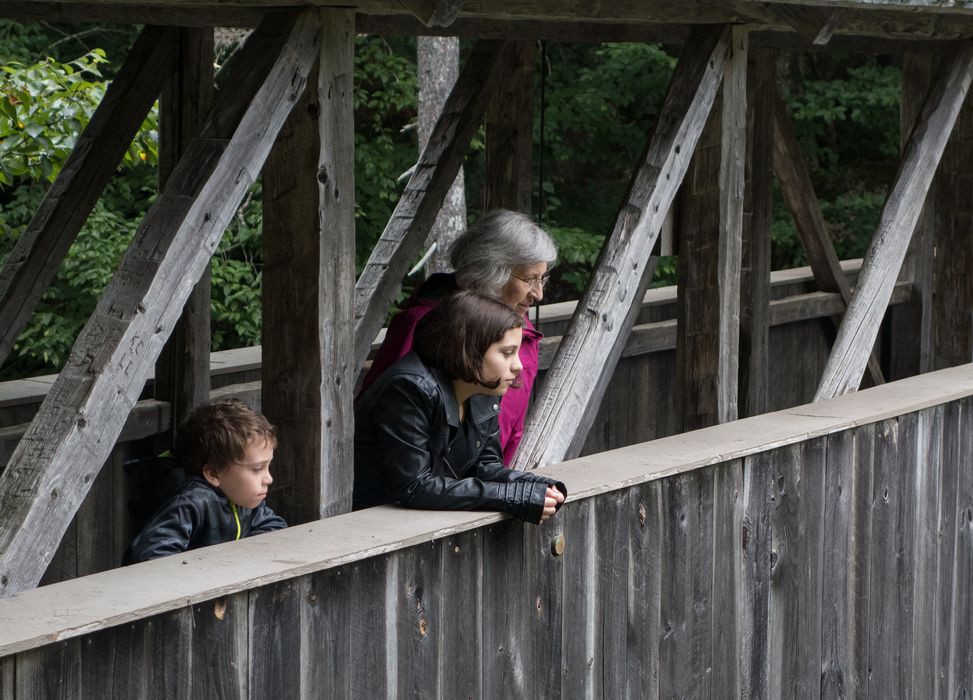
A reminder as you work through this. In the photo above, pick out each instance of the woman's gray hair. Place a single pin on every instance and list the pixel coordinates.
(485, 256)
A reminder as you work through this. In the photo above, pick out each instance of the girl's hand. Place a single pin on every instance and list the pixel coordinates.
(551, 500)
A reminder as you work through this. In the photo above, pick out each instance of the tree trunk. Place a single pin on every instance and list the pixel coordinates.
(438, 69)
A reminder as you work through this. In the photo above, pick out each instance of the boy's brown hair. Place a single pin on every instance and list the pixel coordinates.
(457, 333)
(217, 434)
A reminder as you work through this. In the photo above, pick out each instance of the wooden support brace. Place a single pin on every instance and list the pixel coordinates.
(900, 215)
(795, 185)
(586, 358)
(31, 266)
(76, 426)
(419, 204)
(815, 24)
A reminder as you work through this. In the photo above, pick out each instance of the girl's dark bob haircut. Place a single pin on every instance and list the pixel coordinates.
(457, 333)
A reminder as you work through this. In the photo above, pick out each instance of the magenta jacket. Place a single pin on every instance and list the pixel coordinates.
(398, 342)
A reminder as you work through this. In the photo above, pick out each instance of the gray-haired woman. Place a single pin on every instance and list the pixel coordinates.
(504, 255)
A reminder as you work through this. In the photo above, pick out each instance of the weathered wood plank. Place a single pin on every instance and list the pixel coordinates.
(308, 324)
(794, 620)
(960, 663)
(462, 605)
(327, 645)
(182, 370)
(581, 649)
(32, 264)
(756, 555)
(890, 624)
(434, 13)
(914, 318)
(51, 470)
(545, 554)
(372, 639)
(419, 620)
(509, 130)
(275, 639)
(757, 217)
(733, 160)
(53, 671)
(221, 662)
(927, 472)
(685, 641)
(817, 25)
(901, 212)
(419, 203)
(795, 184)
(728, 670)
(572, 390)
(506, 669)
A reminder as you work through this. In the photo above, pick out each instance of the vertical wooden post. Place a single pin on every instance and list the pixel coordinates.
(910, 327)
(182, 371)
(709, 258)
(952, 190)
(757, 217)
(509, 135)
(308, 221)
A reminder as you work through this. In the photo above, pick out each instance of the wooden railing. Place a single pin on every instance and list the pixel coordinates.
(638, 406)
(821, 550)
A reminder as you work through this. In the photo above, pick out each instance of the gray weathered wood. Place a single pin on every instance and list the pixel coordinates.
(914, 319)
(30, 267)
(567, 402)
(419, 622)
(509, 135)
(795, 185)
(757, 217)
(434, 13)
(275, 639)
(405, 232)
(309, 254)
(221, 658)
(900, 215)
(462, 605)
(182, 371)
(52, 468)
(817, 25)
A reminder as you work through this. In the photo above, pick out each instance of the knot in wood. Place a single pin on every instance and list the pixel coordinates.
(557, 545)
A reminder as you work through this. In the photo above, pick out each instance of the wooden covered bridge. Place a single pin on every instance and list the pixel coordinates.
(819, 550)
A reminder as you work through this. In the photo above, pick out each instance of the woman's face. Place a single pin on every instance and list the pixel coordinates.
(501, 361)
(524, 288)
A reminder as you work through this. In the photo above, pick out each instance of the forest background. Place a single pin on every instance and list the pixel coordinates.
(599, 104)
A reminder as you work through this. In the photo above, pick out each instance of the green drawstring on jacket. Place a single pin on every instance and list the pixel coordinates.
(236, 516)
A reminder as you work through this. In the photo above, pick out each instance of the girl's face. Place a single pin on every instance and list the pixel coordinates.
(524, 288)
(501, 361)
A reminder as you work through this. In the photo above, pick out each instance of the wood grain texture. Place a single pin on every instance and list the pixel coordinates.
(275, 638)
(416, 210)
(31, 265)
(220, 654)
(182, 370)
(755, 253)
(567, 402)
(960, 670)
(898, 220)
(52, 468)
(419, 619)
(463, 609)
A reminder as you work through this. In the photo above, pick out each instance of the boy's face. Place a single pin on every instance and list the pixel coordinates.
(245, 482)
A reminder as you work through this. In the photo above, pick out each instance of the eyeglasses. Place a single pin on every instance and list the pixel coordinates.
(535, 282)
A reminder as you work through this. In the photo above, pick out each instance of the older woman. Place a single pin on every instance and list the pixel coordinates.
(506, 256)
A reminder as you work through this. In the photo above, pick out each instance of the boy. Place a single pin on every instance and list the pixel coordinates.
(225, 448)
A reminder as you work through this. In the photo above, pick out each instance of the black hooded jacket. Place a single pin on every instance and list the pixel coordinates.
(199, 515)
(410, 447)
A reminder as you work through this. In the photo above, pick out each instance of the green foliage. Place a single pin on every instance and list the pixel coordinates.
(43, 108)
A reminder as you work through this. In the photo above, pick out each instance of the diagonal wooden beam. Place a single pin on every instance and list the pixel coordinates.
(815, 24)
(795, 185)
(596, 337)
(419, 204)
(81, 417)
(31, 266)
(901, 213)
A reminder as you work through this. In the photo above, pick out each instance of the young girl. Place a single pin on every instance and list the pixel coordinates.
(427, 434)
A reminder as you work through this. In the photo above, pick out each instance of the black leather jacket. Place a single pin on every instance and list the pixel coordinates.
(198, 515)
(403, 427)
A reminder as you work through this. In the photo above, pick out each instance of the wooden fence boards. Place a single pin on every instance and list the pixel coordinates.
(834, 559)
